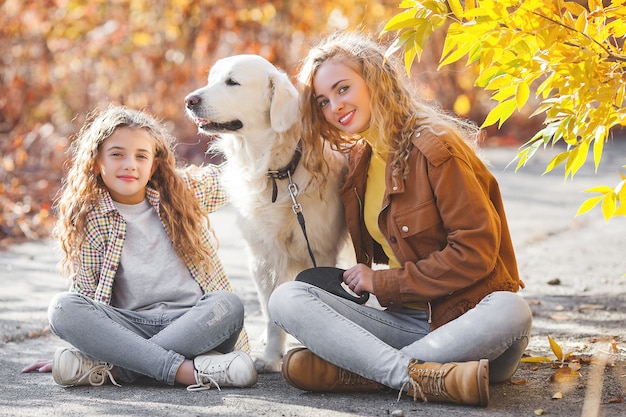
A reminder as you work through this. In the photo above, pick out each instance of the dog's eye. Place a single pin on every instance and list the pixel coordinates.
(231, 81)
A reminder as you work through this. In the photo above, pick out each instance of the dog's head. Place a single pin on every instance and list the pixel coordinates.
(244, 93)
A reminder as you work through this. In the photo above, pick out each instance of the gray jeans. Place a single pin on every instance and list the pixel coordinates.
(378, 344)
(152, 344)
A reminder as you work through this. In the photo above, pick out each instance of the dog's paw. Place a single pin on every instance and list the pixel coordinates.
(264, 366)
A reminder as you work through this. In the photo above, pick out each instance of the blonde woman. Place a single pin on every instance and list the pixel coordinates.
(418, 199)
(148, 294)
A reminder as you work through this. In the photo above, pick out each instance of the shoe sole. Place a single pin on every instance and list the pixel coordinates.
(55, 368)
(482, 381)
(285, 365)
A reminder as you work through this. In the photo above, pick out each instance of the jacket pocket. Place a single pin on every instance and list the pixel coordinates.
(421, 228)
(417, 219)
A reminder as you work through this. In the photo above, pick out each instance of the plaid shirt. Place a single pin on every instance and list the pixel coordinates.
(106, 232)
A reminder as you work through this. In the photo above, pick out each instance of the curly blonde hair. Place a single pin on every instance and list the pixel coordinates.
(397, 111)
(180, 211)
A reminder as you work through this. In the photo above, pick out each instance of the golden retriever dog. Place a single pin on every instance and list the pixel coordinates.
(252, 107)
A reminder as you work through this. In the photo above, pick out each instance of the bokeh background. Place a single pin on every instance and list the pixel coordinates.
(60, 59)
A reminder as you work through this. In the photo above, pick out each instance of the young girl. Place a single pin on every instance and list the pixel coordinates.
(418, 199)
(148, 296)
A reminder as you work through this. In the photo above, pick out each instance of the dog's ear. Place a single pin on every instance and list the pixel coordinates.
(284, 103)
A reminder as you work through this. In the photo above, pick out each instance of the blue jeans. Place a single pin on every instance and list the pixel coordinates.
(152, 344)
(378, 344)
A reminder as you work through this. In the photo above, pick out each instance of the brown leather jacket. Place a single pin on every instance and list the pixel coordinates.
(445, 223)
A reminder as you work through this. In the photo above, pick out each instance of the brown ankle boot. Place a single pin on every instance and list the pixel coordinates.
(460, 383)
(307, 371)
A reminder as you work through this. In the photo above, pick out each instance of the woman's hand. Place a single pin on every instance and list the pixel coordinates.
(359, 278)
(42, 365)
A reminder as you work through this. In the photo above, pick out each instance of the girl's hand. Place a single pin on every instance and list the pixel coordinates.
(359, 278)
(42, 365)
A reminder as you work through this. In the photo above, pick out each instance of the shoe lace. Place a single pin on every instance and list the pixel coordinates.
(426, 381)
(204, 380)
(97, 373)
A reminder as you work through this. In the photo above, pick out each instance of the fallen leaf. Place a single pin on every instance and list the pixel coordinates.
(591, 307)
(560, 317)
(565, 374)
(557, 395)
(518, 381)
(536, 359)
(556, 349)
(539, 412)
(616, 400)
(574, 366)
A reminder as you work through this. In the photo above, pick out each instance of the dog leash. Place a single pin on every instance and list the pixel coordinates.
(281, 174)
(297, 209)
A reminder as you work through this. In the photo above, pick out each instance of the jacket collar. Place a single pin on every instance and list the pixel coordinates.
(360, 156)
(106, 204)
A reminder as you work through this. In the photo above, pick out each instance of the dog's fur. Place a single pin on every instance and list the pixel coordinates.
(253, 107)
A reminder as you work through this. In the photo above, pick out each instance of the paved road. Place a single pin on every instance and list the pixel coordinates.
(585, 254)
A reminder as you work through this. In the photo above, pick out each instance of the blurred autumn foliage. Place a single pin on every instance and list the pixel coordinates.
(63, 58)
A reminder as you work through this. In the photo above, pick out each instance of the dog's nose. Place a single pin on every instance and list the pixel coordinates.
(192, 101)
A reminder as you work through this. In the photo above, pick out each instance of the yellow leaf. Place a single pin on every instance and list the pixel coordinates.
(410, 52)
(487, 75)
(501, 112)
(608, 206)
(588, 204)
(598, 145)
(398, 20)
(522, 94)
(456, 7)
(604, 189)
(539, 412)
(556, 349)
(505, 93)
(404, 24)
(595, 5)
(577, 157)
(556, 161)
(536, 359)
(557, 395)
(461, 50)
(581, 23)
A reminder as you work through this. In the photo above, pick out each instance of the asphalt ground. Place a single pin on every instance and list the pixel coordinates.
(573, 267)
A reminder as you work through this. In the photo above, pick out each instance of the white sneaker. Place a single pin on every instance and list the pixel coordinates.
(72, 367)
(234, 369)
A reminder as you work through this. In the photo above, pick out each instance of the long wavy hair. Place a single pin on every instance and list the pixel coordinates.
(179, 209)
(397, 110)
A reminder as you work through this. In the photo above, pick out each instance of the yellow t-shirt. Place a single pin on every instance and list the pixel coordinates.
(374, 194)
(373, 204)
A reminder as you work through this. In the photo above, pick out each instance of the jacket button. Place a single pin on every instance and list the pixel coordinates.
(395, 188)
(417, 135)
(405, 229)
(393, 239)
